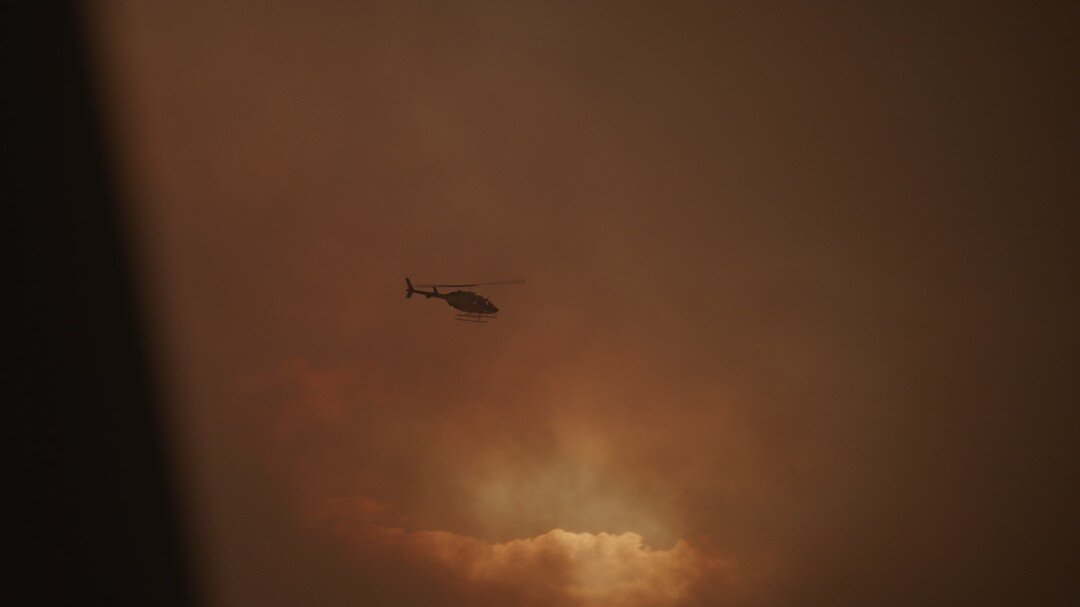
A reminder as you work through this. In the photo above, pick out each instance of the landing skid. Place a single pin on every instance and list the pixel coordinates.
(480, 318)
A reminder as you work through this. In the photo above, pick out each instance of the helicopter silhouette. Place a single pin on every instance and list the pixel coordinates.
(470, 306)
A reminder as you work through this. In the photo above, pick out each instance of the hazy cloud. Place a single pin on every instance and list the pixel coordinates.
(583, 569)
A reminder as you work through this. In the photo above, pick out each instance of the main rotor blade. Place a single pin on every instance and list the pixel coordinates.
(512, 281)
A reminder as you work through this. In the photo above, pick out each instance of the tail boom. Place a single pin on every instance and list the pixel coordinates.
(409, 290)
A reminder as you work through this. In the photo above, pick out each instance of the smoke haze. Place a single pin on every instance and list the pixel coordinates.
(799, 324)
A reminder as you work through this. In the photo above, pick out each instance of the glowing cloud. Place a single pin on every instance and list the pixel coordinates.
(563, 567)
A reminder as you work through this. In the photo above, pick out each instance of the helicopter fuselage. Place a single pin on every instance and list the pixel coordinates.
(470, 302)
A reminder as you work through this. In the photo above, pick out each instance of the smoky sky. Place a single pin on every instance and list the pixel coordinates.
(798, 326)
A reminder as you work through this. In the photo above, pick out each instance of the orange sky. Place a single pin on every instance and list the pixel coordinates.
(796, 321)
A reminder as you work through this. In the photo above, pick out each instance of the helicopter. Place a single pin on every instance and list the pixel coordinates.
(470, 306)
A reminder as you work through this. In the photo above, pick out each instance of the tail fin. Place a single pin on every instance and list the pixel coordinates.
(408, 288)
